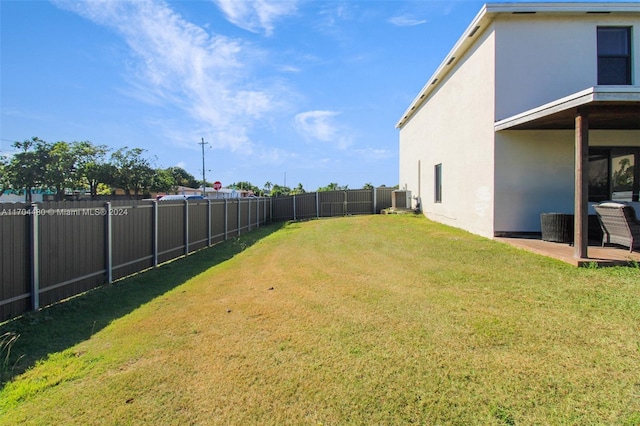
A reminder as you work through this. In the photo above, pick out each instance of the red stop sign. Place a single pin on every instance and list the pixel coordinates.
(217, 185)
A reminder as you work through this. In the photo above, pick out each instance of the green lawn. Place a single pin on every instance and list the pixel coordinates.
(359, 320)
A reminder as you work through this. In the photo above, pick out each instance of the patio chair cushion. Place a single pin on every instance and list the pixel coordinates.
(612, 204)
(619, 225)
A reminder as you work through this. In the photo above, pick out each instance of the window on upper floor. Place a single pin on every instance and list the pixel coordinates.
(614, 55)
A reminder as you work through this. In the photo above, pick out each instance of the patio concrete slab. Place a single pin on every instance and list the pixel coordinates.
(603, 256)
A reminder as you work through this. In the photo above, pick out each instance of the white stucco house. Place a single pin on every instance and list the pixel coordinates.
(535, 109)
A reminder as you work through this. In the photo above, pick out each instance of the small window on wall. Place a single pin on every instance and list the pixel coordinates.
(614, 174)
(614, 55)
(438, 183)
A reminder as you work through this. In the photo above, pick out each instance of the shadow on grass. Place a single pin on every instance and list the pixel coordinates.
(61, 326)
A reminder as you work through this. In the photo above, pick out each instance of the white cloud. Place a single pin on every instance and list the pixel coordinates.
(256, 15)
(321, 126)
(177, 64)
(406, 21)
(373, 153)
(289, 68)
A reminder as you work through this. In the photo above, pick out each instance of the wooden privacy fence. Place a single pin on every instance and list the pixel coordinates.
(55, 250)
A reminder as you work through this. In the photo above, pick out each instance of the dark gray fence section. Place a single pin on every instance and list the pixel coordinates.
(55, 250)
(331, 203)
(15, 276)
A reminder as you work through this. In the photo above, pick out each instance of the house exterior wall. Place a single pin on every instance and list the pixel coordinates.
(539, 61)
(500, 182)
(544, 183)
(454, 127)
(543, 58)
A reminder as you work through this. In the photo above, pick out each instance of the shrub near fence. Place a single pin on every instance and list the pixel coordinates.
(54, 250)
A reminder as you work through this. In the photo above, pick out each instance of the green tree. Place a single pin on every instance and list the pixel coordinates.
(331, 187)
(133, 171)
(367, 185)
(298, 190)
(27, 168)
(91, 166)
(61, 169)
(183, 178)
(163, 181)
(245, 186)
(280, 191)
(4, 176)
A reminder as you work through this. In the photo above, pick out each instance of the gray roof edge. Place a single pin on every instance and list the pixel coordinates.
(483, 20)
(441, 71)
(592, 94)
(566, 7)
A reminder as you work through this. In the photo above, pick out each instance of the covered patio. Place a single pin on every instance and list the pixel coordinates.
(596, 108)
(601, 256)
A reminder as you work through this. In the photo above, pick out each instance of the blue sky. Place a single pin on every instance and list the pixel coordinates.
(307, 91)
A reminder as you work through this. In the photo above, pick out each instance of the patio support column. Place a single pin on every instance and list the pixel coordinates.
(581, 226)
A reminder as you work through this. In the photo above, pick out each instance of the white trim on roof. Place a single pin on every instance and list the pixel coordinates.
(483, 20)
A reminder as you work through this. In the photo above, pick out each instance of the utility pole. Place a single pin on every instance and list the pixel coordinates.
(204, 181)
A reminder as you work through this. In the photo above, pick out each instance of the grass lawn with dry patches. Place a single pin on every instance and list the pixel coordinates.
(357, 320)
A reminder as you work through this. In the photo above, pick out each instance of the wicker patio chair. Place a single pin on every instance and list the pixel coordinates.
(619, 225)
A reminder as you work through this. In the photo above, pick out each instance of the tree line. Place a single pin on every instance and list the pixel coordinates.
(61, 167)
(275, 190)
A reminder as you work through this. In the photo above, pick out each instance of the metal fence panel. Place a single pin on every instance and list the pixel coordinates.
(282, 208)
(233, 228)
(305, 206)
(71, 249)
(132, 236)
(198, 218)
(14, 260)
(218, 219)
(80, 245)
(171, 230)
(383, 199)
(359, 201)
(332, 203)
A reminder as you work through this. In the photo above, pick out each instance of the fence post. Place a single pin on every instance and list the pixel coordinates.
(109, 243)
(208, 223)
(154, 209)
(186, 227)
(257, 212)
(239, 217)
(375, 199)
(345, 210)
(226, 219)
(294, 207)
(249, 214)
(35, 258)
(317, 206)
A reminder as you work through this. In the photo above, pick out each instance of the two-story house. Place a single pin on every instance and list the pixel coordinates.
(535, 109)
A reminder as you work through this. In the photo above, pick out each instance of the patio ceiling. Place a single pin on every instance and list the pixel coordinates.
(609, 108)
